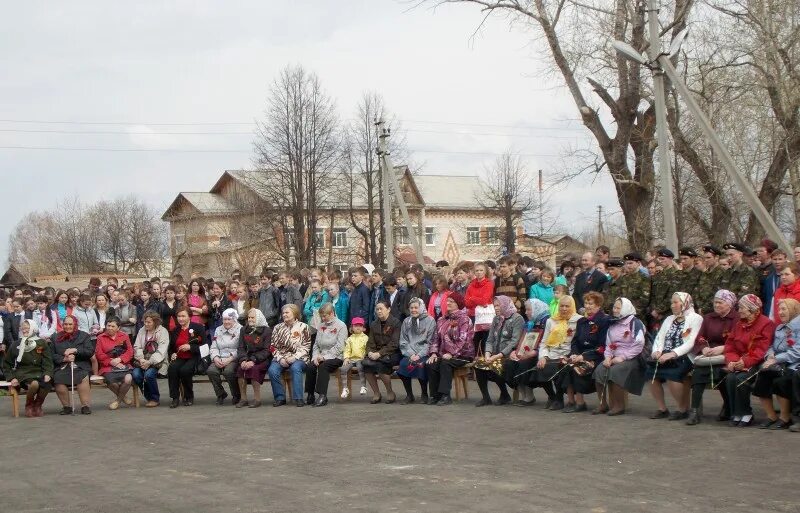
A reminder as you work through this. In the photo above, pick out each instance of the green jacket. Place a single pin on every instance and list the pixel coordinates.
(741, 280)
(636, 287)
(665, 283)
(35, 363)
(707, 286)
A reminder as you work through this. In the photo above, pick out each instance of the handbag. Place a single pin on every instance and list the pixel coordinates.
(204, 362)
(528, 346)
(484, 315)
(709, 361)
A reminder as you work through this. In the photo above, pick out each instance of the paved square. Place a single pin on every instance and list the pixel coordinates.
(361, 457)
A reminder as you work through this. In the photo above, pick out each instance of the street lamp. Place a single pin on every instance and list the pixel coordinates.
(659, 63)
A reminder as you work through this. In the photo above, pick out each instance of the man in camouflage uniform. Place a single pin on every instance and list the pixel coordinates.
(635, 285)
(689, 274)
(740, 279)
(612, 289)
(710, 280)
(664, 284)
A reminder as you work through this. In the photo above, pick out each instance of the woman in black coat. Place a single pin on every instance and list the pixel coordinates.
(383, 352)
(71, 346)
(184, 353)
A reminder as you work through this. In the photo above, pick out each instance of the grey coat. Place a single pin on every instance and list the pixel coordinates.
(504, 334)
(330, 340)
(417, 340)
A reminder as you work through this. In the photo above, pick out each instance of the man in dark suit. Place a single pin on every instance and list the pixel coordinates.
(12, 323)
(396, 297)
(589, 279)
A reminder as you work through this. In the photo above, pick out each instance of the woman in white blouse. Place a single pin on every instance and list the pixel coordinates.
(672, 357)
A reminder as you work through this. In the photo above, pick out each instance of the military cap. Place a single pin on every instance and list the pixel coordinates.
(633, 255)
(687, 251)
(665, 252)
(615, 262)
(735, 245)
(708, 248)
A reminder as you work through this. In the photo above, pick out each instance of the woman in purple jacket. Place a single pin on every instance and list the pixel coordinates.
(623, 366)
(450, 349)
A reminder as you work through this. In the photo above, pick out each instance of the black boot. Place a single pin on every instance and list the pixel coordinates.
(424, 394)
(694, 417)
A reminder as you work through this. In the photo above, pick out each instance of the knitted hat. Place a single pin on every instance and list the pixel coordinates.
(457, 298)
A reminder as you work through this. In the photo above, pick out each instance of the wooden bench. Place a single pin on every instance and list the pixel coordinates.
(460, 376)
(12, 393)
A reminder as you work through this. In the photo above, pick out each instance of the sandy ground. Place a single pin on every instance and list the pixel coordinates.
(361, 457)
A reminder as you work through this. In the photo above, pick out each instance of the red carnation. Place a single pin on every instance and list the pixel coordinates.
(570, 332)
(410, 367)
(322, 328)
(626, 334)
(686, 333)
(790, 342)
(594, 329)
(527, 348)
(601, 349)
(613, 346)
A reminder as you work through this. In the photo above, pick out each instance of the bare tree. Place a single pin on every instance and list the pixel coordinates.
(577, 34)
(297, 148)
(508, 190)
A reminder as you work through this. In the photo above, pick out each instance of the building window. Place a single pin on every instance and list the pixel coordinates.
(492, 235)
(180, 241)
(319, 237)
(340, 237)
(430, 236)
(401, 235)
(473, 235)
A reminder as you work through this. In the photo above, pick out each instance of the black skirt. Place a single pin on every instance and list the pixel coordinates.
(703, 375)
(775, 381)
(382, 366)
(518, 373)
(63, 376)
(628, 375)
(673, 370)
(548, 372)
(580, 383)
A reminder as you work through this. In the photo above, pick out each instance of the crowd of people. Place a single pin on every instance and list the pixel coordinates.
(725, 320)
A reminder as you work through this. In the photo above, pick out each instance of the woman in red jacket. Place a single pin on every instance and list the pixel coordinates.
(114, 353)
(744, 351)
(480, 293)
(788, 289)
(437, 305)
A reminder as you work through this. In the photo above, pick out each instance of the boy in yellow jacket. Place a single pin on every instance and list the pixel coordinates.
(355, 350)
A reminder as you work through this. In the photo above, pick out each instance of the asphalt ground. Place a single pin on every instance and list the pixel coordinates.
(359, 457)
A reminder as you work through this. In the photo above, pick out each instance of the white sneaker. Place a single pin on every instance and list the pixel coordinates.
(363, 391)
(345, 393)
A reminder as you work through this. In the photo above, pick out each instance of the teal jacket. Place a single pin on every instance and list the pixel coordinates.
(342, 307)
(313, 303)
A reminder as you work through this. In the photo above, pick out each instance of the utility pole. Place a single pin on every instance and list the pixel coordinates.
(601, 232)
(389, 181)
(541, 211)
(664, 171)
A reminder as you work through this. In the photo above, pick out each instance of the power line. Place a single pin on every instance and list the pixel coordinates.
(176, 150)
(127, 132)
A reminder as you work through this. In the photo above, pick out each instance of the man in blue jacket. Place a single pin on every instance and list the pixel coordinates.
(359, 298)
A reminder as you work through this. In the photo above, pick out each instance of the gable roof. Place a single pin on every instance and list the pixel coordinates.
(203, 203)
(444, 191)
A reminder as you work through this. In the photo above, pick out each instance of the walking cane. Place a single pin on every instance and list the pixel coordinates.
(72, 387)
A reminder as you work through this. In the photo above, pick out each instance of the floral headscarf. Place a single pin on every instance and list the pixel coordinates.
(687, 305)
(507, 308)
(559, 331)
(231, 314)
(539, 310)
(751, 302)
(727, 296)
(63, 336)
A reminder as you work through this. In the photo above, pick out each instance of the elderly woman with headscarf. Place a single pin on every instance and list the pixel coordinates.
(554, 350)
(672, 356)
(709, 360)
(522, 360)
(224, 353)
(586, 353)
(450, 349)
(253, 356)
(780, 364)
(327, 353)
(149, 354)
(28, 366)
(416, 333)
(745, 349)
(72, 357)
(291, 345)
(623, 365)
(504, 335)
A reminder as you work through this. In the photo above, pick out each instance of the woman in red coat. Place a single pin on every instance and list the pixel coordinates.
(744, 351)
(114, 354)
(788, 289)
(480, 293)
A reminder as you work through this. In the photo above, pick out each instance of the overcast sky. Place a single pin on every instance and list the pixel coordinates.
(150, 69)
